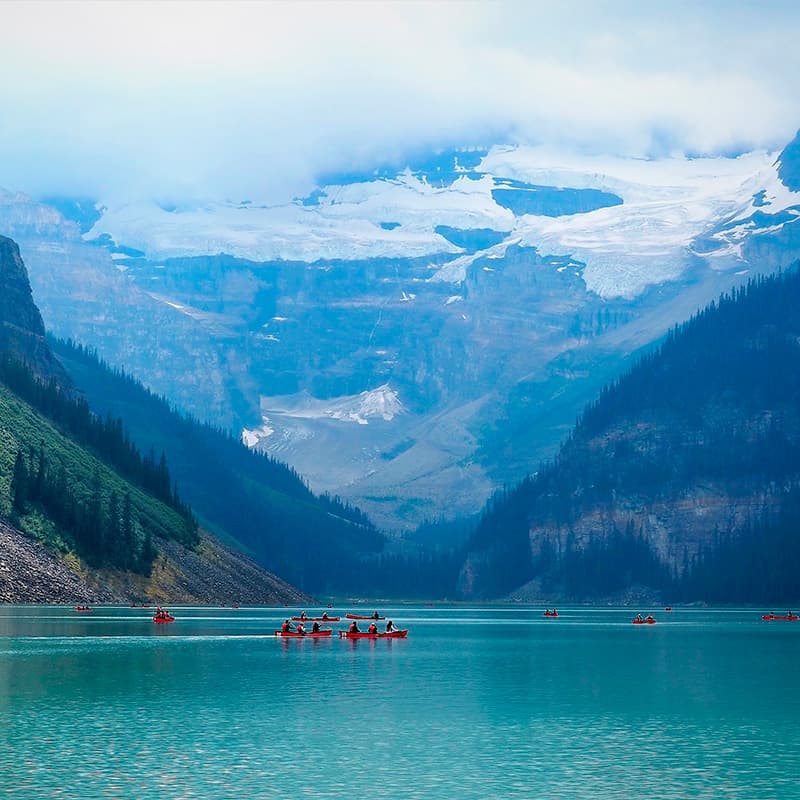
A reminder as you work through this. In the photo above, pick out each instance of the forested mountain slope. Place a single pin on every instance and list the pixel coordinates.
(683, 476)
(107, 520)
(317, 542)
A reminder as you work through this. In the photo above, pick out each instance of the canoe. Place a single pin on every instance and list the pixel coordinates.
(644, 622)
(163, 620)
(356, 616)
(308, 635)
(785, 617)
(315, 619)
(82, 610)
(549, 615)
(668, 608)
(366, 635)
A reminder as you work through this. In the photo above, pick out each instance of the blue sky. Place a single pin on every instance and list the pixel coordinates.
(254, 99)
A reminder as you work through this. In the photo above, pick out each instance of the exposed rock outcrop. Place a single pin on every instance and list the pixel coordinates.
(30, 573)
(214, 574)
(22, 333)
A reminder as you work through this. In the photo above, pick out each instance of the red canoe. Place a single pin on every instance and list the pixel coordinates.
(550, 615)
(785, 617)
(163, 620)
(356, 616)
(315, 619)
(81, 610)
(309, 635)
(365, 635)
(644, 622)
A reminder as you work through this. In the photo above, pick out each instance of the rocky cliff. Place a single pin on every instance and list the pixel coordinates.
(211, 575)
(22, 331)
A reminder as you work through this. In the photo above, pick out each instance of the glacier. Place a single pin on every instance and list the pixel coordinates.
(645, 240)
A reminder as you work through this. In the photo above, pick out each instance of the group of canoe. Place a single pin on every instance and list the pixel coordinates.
(296, 627)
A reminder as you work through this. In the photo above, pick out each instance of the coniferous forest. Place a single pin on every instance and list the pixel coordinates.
(712, 415)
(78, 482)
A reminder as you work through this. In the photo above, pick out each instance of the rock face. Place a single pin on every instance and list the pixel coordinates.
(30, 573)
(214, 574)
(22, 333)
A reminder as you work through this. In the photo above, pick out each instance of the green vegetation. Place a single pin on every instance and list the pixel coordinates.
(68, 495)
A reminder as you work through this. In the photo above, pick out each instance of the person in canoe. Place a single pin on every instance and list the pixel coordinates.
(376, 615)
(315, 628)
(301, 629)
(649, 618)
(325, 616)
(391, 627)
(354, 627)
(639, 618)
(303, 615)
(373, 628)
(286, 627)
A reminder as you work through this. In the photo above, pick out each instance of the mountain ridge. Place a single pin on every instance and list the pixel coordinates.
(690, 456)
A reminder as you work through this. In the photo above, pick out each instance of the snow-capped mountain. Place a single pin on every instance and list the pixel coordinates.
(413, 337)
(634, 224)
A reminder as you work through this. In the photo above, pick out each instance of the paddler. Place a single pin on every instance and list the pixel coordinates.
(301, 629)
(303, 615)
(315, 628)
(376, 615)
(390, 627)
(325, 616)
(354, 627)
(286, 627)
(373, 628)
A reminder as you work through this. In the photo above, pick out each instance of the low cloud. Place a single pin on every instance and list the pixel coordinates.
(254, 100)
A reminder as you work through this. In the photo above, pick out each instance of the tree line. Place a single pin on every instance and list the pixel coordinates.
(107, 438)
(106, 530)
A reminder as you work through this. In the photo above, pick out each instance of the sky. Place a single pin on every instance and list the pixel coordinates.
(252, 100)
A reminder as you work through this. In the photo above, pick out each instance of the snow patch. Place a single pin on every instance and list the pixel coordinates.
(253, 436)
(381, 403)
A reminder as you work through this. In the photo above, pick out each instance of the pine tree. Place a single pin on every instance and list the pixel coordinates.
(19, 483)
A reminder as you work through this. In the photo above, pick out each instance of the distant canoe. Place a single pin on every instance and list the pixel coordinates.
(309, 635)
(357, 616)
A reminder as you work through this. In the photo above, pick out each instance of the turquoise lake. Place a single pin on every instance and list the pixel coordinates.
(479, 702)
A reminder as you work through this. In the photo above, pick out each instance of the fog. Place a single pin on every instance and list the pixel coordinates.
(253, 100)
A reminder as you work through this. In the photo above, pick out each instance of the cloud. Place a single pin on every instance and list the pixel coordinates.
(254, 99)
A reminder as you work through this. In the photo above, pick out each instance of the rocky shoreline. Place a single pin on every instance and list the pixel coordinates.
(212, 574)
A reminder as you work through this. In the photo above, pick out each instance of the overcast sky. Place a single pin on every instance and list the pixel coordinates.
(252, 100)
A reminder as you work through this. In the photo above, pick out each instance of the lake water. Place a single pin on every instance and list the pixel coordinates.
(478, 702)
